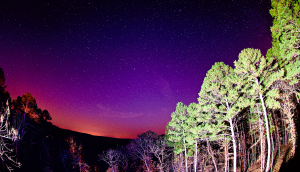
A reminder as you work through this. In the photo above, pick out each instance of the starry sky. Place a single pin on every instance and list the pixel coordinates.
(118, 68)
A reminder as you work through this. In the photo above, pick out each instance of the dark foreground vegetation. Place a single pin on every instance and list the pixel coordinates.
(246, 119)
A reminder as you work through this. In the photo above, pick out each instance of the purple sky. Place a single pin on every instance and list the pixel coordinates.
(118, 68)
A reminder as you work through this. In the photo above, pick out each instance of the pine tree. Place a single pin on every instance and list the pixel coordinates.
(257, 74)
(209, 126)
(220, 95)
(286, 49)
(285, 34)
(176, 133)
(193, 136)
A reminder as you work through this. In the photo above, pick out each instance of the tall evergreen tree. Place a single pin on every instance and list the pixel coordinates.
(208, 127)
(193, 136)
(176, 133)
(286, 49)
(257, 74)
(220, 95)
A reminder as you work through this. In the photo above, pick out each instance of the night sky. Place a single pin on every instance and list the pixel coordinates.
(118, 68)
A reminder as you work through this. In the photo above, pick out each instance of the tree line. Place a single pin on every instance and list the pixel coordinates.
(246, 116)
(249, 111)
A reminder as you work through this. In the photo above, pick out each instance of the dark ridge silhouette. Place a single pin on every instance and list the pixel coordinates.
(43, 147)
(92, 146)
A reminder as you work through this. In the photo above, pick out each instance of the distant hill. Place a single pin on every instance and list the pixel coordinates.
(43, 146)
(91, 145)
(90, 140)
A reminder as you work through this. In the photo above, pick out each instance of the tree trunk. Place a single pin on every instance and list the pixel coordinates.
(148, 167)
(185, 156)
(277, 136)
(287, 109)
(146, 161)
(243, 149)
(203, 164)
(226, 147)
(253, 150)
(233, 143)
(283, 131)
(195, 158)
(267, 131)
(180, 159)
(272, 155)
(212, 155)
(262, 144)
(293, 138)
(162, 162)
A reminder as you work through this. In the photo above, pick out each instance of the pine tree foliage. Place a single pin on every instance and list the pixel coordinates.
(192, 123)
(177, 130)
(257, 75)
(195, 131)
(220, 95)
(286, 49)
(286, 37)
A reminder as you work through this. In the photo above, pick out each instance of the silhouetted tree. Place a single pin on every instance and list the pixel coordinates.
(46, 115)
(29, 103)
(4, 95)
